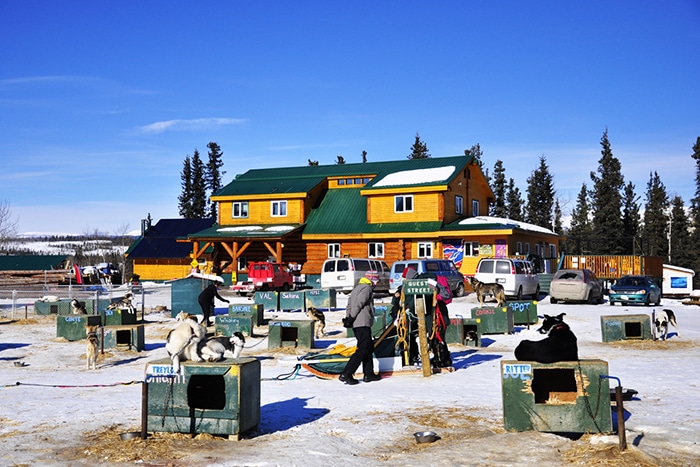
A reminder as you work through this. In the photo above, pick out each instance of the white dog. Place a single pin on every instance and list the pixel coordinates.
(48, 299)
(124, 304)
(662, 320)
(182, 341)
(215, 349)
(78, 308)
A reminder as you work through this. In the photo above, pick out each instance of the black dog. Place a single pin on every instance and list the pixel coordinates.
(559, 346)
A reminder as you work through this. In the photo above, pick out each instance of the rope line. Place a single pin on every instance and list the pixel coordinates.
(65, 386)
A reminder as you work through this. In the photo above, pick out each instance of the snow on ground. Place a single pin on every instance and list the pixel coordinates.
(62, 414)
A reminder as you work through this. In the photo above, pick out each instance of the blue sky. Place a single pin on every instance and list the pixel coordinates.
(100, 102)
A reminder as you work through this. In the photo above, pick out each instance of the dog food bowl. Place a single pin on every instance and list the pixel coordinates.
(130, 435)
(425, 436)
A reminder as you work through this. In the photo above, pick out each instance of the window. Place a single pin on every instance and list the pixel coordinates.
(475, 208)
(552, 250)
(278, 209)
(459, 205)
(403, 203)
(519, 247)
(537, 249)
(471, 248)
(239, 209)
(375, 250)
(425, 250)
(527, 249)
(341, 181)
(334, 250)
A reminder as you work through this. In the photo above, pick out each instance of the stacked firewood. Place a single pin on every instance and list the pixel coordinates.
(31, 278)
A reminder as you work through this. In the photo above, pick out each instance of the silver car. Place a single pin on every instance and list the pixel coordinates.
(575, 285)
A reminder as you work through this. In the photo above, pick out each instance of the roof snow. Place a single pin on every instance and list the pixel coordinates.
(414, 177)
(506, 222)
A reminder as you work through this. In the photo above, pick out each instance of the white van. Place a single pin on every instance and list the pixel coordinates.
(343, 274)
(517, 276)
(439, 267)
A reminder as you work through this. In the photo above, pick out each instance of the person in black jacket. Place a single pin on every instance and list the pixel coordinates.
(206, 301)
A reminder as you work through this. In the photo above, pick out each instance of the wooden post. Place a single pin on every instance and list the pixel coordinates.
(620, 418)
(423, 336)
(144, 408)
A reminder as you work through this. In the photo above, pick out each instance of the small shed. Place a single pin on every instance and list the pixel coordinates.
(677, 281)
(185, 292)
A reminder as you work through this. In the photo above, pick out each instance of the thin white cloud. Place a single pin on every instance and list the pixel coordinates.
(187, 125)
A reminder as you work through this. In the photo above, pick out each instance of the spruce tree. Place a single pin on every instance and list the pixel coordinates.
(312, 163)
(214, 174)
(695, 216)
(185, 198)
(655, 239)
(364, 157)
(199, 188)
(475, 152)
(631, 220)
(419, 150)
(498, 208)
(557, 225)
(578, 241)
(607, 203)
(340, 160)
(680, 254)
(514, 201)
(540, 196)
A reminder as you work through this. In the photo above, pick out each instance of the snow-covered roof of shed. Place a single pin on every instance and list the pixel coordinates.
(505, 222)
(416, 176)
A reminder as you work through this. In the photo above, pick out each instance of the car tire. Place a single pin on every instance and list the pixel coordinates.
(658, 301)
(460, 291)
(552, 300)
(590, 300)
(536, 295)
(612, 303)
(519, 295)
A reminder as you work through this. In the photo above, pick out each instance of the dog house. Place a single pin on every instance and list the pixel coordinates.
(494, 320)
(292, 301)
(324, 299)
(72, 327)
(625, 327)
(464, 331)
(290, 333)
(126, 337)
(562, 397)
(524, 312)
(256, 309)
(226, 325)
(63, 307)
(269, 300)
(221, 398)
(118, 317)
(184, 294)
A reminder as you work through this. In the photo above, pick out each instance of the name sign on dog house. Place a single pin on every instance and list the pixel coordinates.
(417, 287)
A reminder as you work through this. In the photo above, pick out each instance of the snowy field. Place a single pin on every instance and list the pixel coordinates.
(62, 414)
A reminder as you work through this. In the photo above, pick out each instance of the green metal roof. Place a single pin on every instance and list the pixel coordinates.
(31, 262)
(303, 179)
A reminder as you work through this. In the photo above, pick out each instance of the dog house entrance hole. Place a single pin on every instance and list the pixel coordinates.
(554, 384)
(471, 332)
(206, 392)
(53, 309)
(633, 330)
(124, 337)
(289, 335)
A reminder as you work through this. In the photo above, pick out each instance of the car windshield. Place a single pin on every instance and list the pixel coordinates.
(632, 282)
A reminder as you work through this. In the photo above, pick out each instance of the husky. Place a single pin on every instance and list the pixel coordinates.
(482, 289)
(77, 307)
(217, 348)
(125, 303)
(181, 343)
(559, 346)
(661, 322)
(320, 320)
(91, 347)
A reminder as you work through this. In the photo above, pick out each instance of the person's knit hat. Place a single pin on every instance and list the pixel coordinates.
(364, 280)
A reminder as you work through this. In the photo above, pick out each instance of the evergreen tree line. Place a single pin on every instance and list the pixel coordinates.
(199, 182)
(608, 218)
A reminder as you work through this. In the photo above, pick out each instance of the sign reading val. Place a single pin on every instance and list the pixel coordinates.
(417, 287)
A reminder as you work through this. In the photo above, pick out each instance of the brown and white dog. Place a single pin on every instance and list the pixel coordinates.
(661, 322)
(91, 347)
(182, 341)
(481, 289)
(77, 307)
(317, 315)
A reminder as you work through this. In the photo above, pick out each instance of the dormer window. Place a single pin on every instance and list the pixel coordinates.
(278, 209)
(403, 203)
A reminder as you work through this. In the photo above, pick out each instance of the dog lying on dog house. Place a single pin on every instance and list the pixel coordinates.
(217, 348)
(560, 345)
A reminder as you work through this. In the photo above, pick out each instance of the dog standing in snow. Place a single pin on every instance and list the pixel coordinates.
(124, 304)
(661, 322)
(320, 320)
(182, 340)
(91, 347)
(217, 348)
(77, 307)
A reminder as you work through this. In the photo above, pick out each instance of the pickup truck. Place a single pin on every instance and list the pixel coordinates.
(266, 276)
